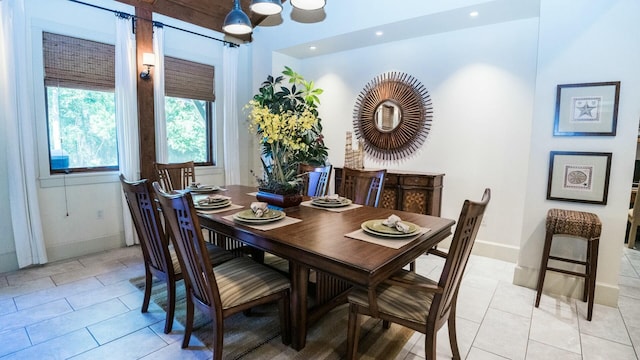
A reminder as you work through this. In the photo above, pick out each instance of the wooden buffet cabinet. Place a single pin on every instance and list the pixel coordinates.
(408, 191)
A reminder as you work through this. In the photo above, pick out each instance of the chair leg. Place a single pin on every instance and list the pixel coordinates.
(285, 319)
(453, 339)
(148, 281)
(587, 272)
(430, 345)
(632, 235)
(594, 244)
(218, 339)
(543, 265)
(188, 326)
(353, 332)
(171, 305)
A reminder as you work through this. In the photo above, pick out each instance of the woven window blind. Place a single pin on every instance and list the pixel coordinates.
(78, 63)
(187, 79)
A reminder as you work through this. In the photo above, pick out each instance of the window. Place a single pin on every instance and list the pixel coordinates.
(79, 85)
(189, 111)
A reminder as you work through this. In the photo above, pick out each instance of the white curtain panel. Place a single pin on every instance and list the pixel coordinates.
(127, 115)
(17, 117)
(230, 132)
(162, 148)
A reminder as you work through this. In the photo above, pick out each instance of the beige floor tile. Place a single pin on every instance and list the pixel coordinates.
(630, 310)
(93, 270)
(60, 325)
(3, 281)
(606, 323)
(555, 327)
(33, 315)
(26, 287)
(83, 299)
(124, 274)
(55, 293)
(13, 340)
(479, 354)
(594, 348)
(503, 334)
(626, 269)
(540, 351)
(43, 271)
(133, 346)
(175, 351)
(62, 347)
(474, 297)
(124, 324)
(7, 306)
(513, 299)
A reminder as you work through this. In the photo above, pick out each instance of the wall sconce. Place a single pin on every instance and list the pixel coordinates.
(148, 60)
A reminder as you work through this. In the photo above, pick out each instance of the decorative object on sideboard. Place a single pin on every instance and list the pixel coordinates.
(353, 158)
(393, 115)
(289, 130)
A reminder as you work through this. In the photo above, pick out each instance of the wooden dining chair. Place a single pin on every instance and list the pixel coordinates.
(315, 179)
(362, 186)
(175, 176)
(159, 255)
(237, 285)
(633, 218)
(414, 301)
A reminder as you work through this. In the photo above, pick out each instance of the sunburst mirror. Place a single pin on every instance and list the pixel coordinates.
(393, 116)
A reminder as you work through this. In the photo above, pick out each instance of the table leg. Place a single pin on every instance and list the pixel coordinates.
(299, 285)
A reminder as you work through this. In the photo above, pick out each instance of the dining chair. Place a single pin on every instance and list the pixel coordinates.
(634, 221)
(362, 186)
(175, 176)
(234, 286)
(416, 302)
(315, 179)
(159, 255)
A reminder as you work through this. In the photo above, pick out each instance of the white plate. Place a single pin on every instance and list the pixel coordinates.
(281, 215)
(218, 205)
(203, 189)
(331, 204)
(371, 225)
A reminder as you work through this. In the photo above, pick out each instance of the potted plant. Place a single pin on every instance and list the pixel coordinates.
(288, 127)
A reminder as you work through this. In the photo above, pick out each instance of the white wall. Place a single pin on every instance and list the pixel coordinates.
(493, 91)
(596, 43)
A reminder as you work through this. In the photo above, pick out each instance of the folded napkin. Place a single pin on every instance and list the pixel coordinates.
(394, 221)
(331, 198)
(259, 208)
(214, 199)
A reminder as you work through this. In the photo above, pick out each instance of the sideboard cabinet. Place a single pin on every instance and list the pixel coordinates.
(418, 192)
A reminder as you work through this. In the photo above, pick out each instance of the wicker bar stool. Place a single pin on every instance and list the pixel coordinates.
(575, 223)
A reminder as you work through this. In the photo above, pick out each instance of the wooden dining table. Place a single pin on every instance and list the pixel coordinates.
(318, 242)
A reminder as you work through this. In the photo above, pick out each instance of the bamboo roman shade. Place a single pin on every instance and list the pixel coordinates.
(188, 79)
(78, 63)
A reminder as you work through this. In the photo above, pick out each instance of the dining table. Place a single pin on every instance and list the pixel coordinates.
(320, 239)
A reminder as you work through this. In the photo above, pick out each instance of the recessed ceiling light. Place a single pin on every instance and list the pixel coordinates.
(379, 33)
(473, 14)
(312, 48)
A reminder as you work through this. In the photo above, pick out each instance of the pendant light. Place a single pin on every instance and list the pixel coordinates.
(266, 7)
(237, 22)
(308, 4)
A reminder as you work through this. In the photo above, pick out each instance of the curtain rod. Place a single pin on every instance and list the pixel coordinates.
(155, 23)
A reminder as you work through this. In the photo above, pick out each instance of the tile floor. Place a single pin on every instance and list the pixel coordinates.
(86, 309)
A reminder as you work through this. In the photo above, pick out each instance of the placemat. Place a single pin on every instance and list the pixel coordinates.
(215, 211)
(338, 209)
(395, 243)
(268, 226)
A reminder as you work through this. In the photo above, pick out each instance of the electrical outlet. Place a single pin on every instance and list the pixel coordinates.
(100, 214)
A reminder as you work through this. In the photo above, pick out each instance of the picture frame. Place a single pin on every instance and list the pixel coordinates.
(579, 176)
(589, 109)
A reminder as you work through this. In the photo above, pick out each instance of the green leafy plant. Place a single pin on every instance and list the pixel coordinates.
(289, 129)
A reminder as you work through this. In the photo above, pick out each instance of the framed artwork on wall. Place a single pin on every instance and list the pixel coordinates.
(579, 176)
(587, 109)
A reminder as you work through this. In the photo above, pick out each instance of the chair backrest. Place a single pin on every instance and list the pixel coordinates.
(458, 256)
(175, 176)
(147, 221)
(362, 186)
(197, 270)
(315, 179)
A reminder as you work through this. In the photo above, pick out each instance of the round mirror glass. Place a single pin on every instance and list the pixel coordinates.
(388, 115)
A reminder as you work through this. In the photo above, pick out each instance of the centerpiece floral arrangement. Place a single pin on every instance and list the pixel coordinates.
(286, 121)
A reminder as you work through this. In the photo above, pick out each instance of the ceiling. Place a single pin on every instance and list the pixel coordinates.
(209, 14)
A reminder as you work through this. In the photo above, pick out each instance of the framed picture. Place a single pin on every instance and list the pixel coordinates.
(587, 109)
(579, 176)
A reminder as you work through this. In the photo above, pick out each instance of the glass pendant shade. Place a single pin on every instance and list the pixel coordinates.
(308, 4)
(237, 22)
(266, 7)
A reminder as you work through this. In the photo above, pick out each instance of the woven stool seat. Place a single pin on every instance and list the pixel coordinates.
(574, 223)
